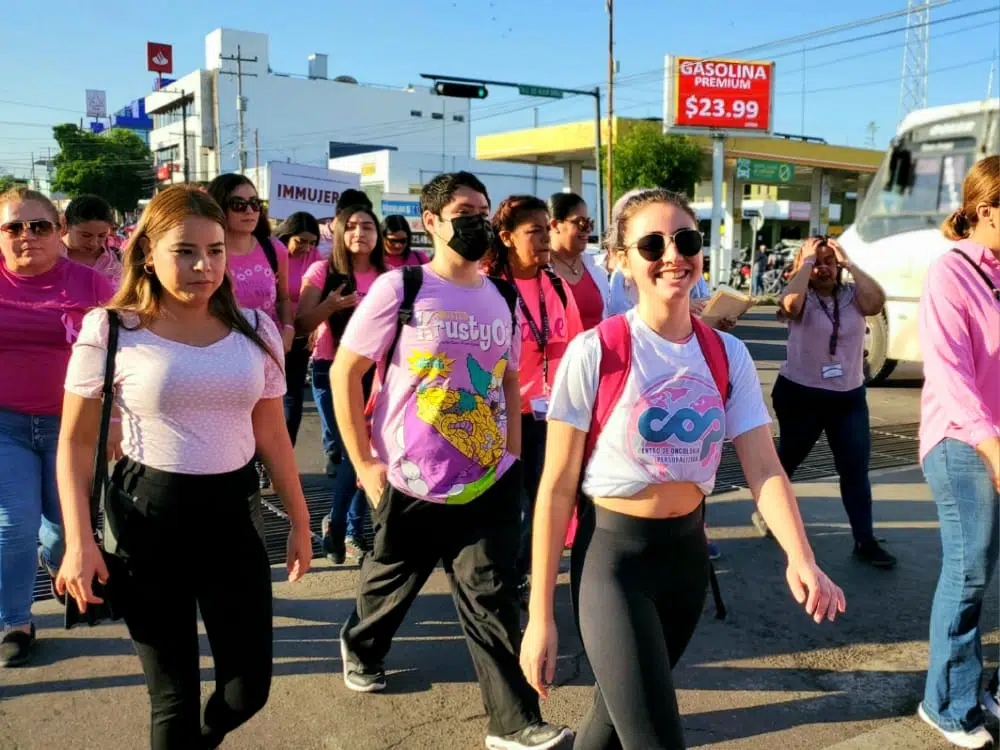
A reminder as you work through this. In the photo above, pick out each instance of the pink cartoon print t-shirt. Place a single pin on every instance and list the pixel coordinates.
(254, 283)
(40, 318)
(440, 420)
(315, 276)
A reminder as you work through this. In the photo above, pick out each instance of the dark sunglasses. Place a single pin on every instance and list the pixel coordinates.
(241, 205)
(38, 227)
(583, 224)
(687, 241)
(396, 242)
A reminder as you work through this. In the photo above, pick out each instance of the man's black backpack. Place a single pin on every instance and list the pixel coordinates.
(413, 279)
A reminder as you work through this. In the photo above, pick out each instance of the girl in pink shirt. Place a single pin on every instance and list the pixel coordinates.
(330, 292)
(300, 233)
(198, 381)
(397, 236)
(959, 325)
(43, 298)
(549, 319)
(89, 230)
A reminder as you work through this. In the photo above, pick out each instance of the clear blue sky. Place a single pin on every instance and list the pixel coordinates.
(56, 50)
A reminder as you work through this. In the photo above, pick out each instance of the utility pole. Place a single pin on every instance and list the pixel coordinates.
(184, 135)
(872, 129)
(611, 108)
(34, 185)
(256, 155)
(241, 102)
(534, 169)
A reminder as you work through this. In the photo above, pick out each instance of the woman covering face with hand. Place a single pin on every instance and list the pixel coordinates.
(640, 562)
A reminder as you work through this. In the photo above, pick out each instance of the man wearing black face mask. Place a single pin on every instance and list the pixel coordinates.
(440, 466)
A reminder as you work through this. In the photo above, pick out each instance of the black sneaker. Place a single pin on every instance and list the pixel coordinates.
(871, 553)
(51, 573)
(358, 678)
(17, 647)
(539, 736)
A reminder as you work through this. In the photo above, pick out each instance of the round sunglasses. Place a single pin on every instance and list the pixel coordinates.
(687, 241)
(582, 223)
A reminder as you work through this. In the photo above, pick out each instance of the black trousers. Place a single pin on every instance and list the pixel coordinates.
(533, 434)
(296, 365)
(803, 415)
(638, 590)
(477, 544)
(189, 542)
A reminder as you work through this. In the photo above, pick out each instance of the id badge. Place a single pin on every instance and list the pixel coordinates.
(540, 408)
(833, 370)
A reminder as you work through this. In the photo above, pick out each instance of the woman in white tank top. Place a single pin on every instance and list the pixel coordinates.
(640, 562)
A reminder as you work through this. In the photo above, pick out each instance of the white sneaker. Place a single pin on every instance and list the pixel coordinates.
(979, 737)
(992, 704)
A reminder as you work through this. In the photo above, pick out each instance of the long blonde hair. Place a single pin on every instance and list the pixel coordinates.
(140, 293)
(982, 185)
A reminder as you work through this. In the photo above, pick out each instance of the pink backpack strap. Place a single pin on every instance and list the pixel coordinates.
(616, 364)
(714, 350)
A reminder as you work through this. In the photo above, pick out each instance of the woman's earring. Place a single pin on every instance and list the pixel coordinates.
(147, 269)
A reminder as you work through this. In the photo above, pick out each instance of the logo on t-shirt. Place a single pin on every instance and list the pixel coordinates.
(676, 429)
(461, 327)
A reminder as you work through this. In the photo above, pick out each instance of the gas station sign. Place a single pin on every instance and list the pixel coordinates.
(734, 96)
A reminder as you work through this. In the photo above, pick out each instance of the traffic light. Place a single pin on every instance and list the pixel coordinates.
(461, 90)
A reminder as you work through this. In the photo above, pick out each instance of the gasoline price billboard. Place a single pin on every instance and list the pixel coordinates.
(734, 96)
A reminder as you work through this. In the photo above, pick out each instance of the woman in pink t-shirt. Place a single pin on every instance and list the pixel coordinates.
(199, 382)
(549, 319)
(43, 298)
(570, 230)
(398, 238)
(258, 263)
(300, 234)
(330, 292)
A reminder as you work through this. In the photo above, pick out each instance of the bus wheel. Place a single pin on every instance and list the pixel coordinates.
(878, 366)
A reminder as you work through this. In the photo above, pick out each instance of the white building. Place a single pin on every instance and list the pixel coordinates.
(304, 119)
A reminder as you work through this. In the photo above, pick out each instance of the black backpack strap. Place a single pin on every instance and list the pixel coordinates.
(107, 401)
(413, 279)
(509, 294)
(272, 256)
(981, 272)
(557, 284)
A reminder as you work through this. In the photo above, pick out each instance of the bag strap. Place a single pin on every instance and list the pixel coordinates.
(509, 293)
(107, 401)
(413, 279)
(270, 254)
(714, 350)
(981, 272)
(557, 284)
(615, 338)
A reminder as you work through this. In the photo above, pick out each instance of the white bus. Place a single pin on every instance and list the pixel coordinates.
(895, 235)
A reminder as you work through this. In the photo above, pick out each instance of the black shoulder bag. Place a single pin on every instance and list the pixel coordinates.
(108, 609)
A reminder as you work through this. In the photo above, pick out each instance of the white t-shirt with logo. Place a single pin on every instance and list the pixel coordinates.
(670, 422)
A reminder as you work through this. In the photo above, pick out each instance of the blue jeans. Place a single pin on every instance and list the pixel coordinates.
(29, 509)
(348, 509)
(967, 509)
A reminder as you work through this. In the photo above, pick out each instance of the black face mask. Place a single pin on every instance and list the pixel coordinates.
(473, 236)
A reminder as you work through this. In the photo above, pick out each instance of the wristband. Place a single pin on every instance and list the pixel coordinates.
(116, 420)
(289, 327)
(811, 261)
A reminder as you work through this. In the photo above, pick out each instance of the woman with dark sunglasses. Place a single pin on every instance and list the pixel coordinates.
(570, 230)
(821, 386)
(43, 298)
(397, 236)
(258, 263)
(640, 567)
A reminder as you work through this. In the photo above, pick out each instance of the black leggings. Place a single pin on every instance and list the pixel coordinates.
(638, 589)
(189, 542)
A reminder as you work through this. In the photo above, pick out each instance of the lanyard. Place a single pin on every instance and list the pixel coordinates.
(541, 335)
(834, 318)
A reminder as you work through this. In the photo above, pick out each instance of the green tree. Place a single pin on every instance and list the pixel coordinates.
(117, 166)
(645, 157)
(9, 182)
